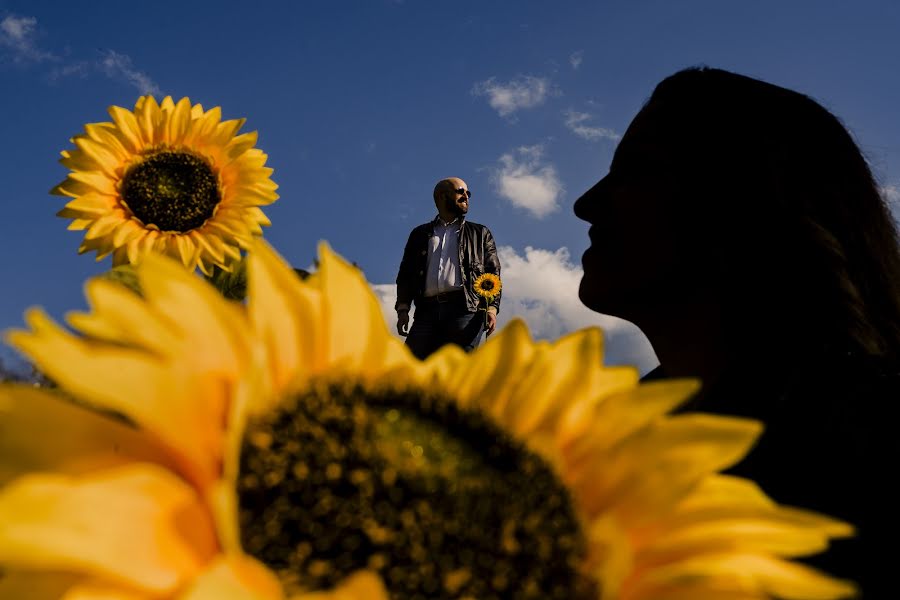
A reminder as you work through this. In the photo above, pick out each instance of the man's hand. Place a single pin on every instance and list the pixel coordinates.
(403, 322)
(491, 322)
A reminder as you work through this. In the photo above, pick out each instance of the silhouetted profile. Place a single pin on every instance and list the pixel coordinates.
(741, 229)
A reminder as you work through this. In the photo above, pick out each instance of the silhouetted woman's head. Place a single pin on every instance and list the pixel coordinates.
(751, 196)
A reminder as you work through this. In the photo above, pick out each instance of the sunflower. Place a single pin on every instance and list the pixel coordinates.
(167, 178)
(292, 448)
(487, 286)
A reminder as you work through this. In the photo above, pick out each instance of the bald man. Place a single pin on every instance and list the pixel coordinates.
(441, 261)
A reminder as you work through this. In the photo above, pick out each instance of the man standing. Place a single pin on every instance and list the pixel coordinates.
(441, 261)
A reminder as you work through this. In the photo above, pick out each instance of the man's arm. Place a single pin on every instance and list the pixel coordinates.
(405, 288)
(406, 275)
(492, 265)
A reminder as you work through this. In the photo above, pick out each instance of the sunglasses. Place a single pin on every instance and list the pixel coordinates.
(464, 192)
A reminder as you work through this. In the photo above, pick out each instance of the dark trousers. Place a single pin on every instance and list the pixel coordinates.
(436, 323)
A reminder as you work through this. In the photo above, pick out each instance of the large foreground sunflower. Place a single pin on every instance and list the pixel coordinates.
(292, 448)
(167, 178)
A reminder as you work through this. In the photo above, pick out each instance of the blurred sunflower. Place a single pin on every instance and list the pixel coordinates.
(293, 448)
(167, 178)
(487, 286)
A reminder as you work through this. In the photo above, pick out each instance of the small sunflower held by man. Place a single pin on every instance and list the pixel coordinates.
(167, 178)
(291, 448)
(488, 287)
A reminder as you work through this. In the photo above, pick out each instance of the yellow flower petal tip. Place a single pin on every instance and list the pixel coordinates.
(362, 585)
(167, 178)
(315, 458)
(236, 577)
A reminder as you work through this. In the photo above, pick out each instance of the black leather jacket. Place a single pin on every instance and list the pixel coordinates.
(477, 255)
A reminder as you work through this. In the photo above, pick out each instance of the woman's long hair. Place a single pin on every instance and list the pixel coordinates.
(779, 182)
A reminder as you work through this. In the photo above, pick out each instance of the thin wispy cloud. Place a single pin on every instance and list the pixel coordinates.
(80, 68)
(541, 287)
(579, 124)
(119, 66)
(527, 181)
(576, 58)
(507, 98)
(18, 36)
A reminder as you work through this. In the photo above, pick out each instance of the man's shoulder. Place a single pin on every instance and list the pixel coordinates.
(477, 226)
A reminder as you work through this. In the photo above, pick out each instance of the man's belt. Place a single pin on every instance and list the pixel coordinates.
(440, 298)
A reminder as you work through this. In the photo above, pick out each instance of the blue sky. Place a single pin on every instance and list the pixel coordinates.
(362, 106)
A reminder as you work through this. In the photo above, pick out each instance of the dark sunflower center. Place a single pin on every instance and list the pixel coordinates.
(438, 500)
(175, 191)
(487, 285)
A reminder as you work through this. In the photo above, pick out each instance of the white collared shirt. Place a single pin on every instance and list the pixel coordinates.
(442, 272)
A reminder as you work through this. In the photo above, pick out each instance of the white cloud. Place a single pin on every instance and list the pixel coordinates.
(507, 98)
(891, 195)
(577, 123)
(117, 65)
(527, 182)
(576, 58)
(541, 287)
(17, 34)
(387, 296)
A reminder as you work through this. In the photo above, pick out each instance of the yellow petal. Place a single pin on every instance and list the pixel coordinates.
(179, 121)
(92, 204)
(137, 524)
(209, 250)
(753, 574)
(495, 369)
(126, 231)
(203, 127)
(35, 585)
(568, 371)
(77, 224)
(82, 441)
(78, 160)
(357, 332)
(234, 577)
(766, 532)
(120, 316)
(100, 153)
(128, 126)
(240, 144)
(148, 116)
(104, 226)
(96, 590)
(661, 463)
(286, 314)
(108, 136)
(187, 251)
(225, 131)
(362, 585)
(96, 181)
(593, 426)
(216, 329)
(183, 409)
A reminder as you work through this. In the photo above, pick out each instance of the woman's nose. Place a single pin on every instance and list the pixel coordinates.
(591, 200)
